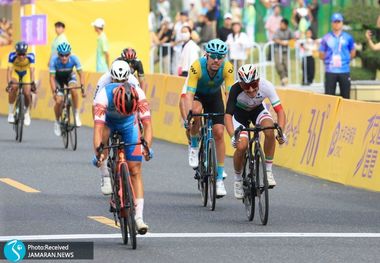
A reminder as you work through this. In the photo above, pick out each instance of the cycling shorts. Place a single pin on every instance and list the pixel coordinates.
(130, 134)
(24, 75)
(212, 103)
(255, 116)
(60, 83)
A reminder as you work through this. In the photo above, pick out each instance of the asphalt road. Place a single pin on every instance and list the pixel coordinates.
(310, 220)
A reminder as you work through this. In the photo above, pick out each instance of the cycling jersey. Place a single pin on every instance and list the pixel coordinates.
(107, 79)
(238, 100)
(21, 67)
(200, 82)
(63, 72)
(245, 109)
(105, 113)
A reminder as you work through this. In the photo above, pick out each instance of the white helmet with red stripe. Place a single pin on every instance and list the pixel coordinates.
(248, 73)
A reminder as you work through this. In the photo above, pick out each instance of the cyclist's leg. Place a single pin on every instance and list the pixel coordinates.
(58, 100)
(194, 132)
(27, 89)
(12, 94)
(241, 146)
(182, 108)
(72, 82)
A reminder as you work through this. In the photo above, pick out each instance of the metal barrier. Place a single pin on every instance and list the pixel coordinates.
(263, 55)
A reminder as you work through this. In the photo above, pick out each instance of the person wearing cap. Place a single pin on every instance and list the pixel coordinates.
(337, 48)
(226, 29)
(102, 50)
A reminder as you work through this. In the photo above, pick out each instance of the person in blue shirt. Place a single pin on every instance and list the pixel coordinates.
(336, 50)
(61, 73)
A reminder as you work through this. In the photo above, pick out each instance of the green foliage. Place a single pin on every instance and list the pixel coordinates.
(361, 17)
(362, 74)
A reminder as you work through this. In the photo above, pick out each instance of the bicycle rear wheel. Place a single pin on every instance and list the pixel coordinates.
(262, 192)
(248, 186)
(128, 206)
(72, 130)
(65, 116)
(211, 173)
(19, 120)
(202, 172)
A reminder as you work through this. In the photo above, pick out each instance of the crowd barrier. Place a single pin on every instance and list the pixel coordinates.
(162, 60)
(328, 137)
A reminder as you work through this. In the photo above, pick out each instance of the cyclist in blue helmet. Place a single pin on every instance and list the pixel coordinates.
(204, 94)
(61, 73)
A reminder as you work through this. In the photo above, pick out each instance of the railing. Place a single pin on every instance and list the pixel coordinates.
(261, 54)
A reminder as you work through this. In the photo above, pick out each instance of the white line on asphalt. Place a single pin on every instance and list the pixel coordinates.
(195, 235)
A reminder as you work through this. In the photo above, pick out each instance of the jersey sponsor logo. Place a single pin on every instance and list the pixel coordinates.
(193, 70)
(99, 110)
(230, 71)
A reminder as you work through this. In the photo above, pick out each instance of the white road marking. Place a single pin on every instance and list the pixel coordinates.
(195, 235)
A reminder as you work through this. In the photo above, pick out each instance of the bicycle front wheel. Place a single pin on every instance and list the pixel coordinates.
(211, 173)
(248, 186)
(128, 206)
(202, 181)
(262, 192)
(65, 117)
(20, 117)
(72, 130)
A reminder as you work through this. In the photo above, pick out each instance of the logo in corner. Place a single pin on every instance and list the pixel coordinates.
(14, 250)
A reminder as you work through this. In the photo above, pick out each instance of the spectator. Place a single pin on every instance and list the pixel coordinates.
(193, 12)
(5, 32)
(249, 20)
(212, 16)
(273, 22)
(314, 7)
(206, 33)
(307, 47)
(269, 4)
(163, 8)
(371, 45)
(194, 34)
(190, 52)
(281, 39)
(164, 36)
(177, 40)
(238, 44)
(60, 38)
(102, 50)
(337, 49)
(235, 11)
(301, 19)
(226, 29)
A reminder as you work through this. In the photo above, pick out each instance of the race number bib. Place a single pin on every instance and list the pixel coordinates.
(337, 61)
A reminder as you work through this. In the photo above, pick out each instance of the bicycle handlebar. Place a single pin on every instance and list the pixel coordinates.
(258, 128)
(102, 147)
(206, 115)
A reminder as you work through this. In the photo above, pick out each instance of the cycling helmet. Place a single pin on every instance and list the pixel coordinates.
(21, 47)
(64, 48)
(125, 99)
(216, 46)
(120, 70)
(248, 73)
(129, 54)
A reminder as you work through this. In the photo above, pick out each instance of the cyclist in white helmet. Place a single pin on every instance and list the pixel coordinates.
(244, 105)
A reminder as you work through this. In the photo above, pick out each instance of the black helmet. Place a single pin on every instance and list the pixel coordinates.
(21, 47)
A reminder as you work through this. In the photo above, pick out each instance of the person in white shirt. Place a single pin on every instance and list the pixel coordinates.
(238, 43)
(190, 52)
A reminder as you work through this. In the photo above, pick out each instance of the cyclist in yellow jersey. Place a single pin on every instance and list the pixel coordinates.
(20, 69)
(204, 93)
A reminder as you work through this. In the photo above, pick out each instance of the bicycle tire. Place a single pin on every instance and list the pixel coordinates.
(20, 117)
(72, 129)
(65, 118)
(248, 186)
(202, 171)
(262, 192)
(211, 173)
(16, 116)
(129, 206)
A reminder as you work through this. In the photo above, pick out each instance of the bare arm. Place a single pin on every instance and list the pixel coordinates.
(281, 119)
(353, 53)
(52, 84)
(32, 76)
(148, 136)
(322, 55)
(107, 55)
(229, 124)
(98, 134)
(9, 74)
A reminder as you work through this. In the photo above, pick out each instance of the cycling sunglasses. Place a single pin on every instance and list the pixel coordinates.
(216, 56)
(64, 55)
(247, 86)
